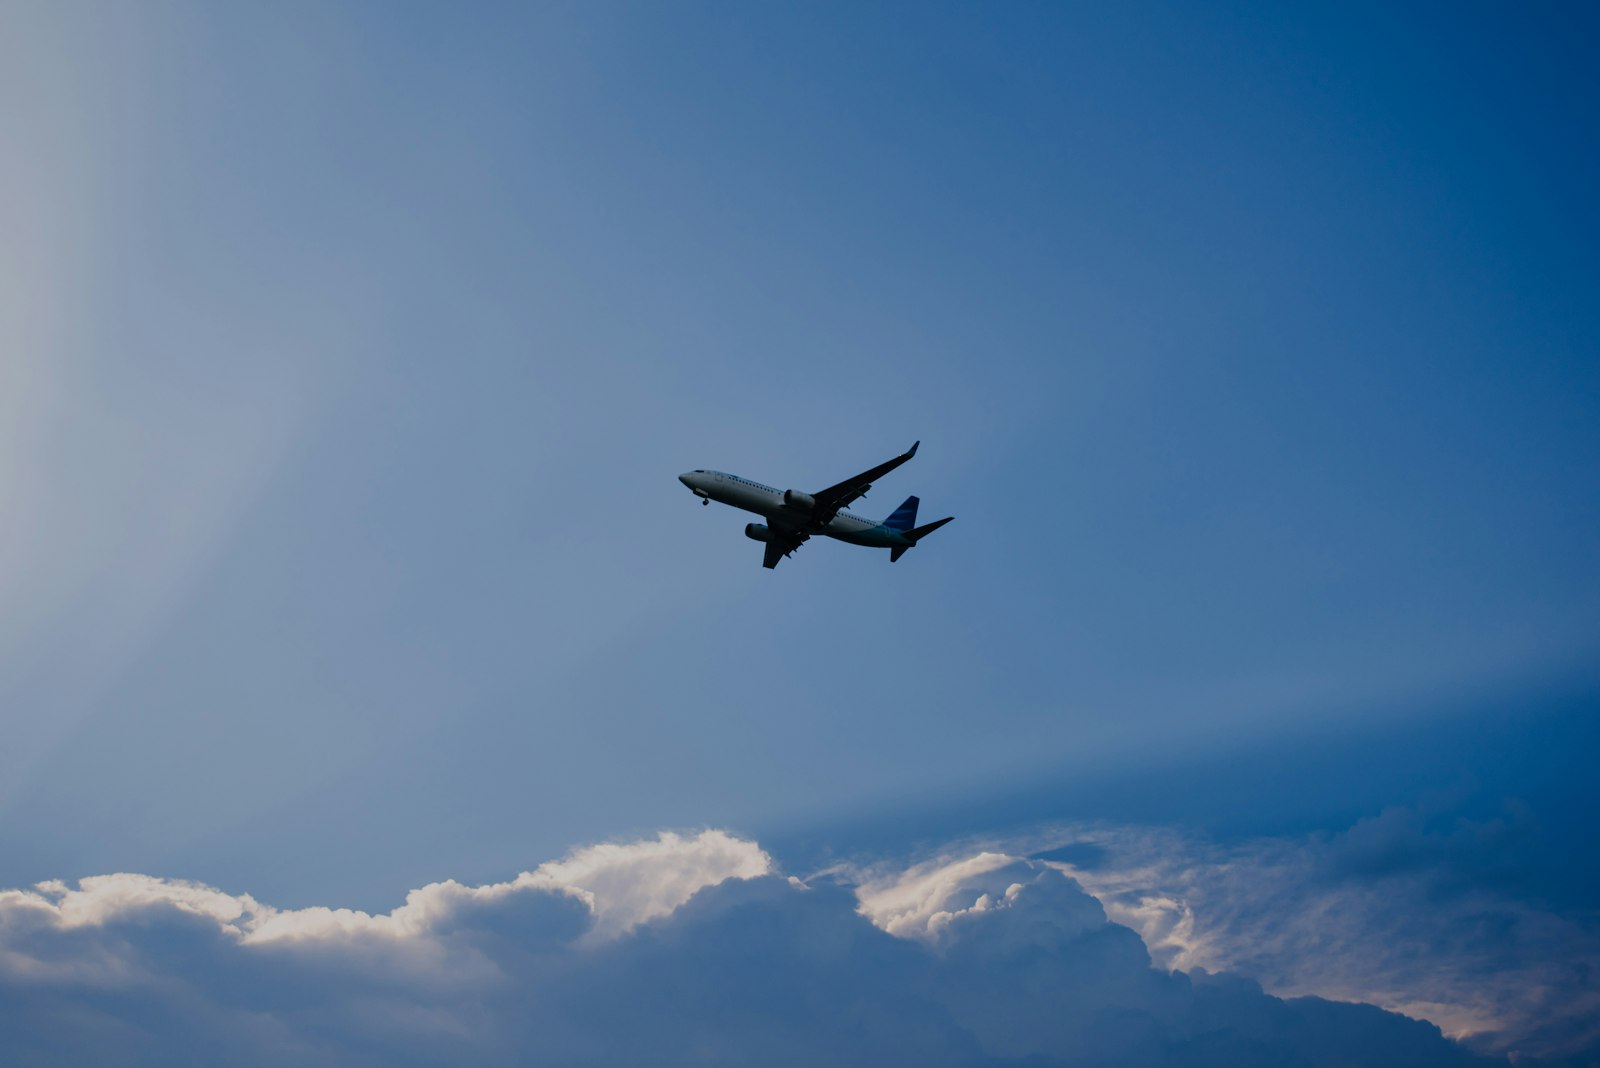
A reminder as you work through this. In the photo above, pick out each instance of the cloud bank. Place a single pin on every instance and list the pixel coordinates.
(675, 950)
(1405, 910)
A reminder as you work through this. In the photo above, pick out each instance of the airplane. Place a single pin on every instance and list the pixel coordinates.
(793, 516)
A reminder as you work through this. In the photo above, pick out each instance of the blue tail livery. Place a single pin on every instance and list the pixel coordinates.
(903, 517)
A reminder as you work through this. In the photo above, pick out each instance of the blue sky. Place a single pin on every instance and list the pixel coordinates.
(350, 353)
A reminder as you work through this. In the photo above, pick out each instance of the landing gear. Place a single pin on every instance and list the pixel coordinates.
(704, 502)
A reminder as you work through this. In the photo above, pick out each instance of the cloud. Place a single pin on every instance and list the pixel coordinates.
(675, 950)
(1402, 910)
(629, 884)
(938, 901)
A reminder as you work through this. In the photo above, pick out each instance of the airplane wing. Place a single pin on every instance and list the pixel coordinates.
(781, 543)
(834, 498)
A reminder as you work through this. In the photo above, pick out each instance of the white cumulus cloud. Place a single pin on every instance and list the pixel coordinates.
(680, 949)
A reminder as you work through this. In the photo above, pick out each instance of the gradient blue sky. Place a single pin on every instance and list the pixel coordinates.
(348, 354)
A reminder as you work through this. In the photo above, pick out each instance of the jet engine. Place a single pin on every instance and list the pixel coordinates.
(803, 501)
(756, 532)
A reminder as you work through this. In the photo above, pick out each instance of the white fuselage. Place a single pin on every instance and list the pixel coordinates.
(769, 503)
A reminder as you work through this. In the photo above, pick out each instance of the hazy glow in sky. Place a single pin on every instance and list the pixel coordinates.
(348, 354)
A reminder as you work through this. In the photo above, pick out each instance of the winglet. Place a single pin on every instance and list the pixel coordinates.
(913, 451)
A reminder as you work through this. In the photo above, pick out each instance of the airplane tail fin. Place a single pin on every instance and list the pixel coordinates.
(917, 535)
(903, 517)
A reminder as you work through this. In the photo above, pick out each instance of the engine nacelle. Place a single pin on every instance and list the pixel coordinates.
(756, 532)
(803, 501)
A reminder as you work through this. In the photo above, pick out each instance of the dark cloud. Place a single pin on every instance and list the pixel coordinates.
(1455, 850)
(1413, 909)
(678, 951)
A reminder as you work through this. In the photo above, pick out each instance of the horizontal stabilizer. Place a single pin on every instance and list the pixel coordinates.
(923, 531)
(897, 551)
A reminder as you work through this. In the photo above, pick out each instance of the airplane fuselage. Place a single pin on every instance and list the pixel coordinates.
(769, 503)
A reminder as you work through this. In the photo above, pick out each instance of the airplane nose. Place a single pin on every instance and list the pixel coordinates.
(684, 478)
